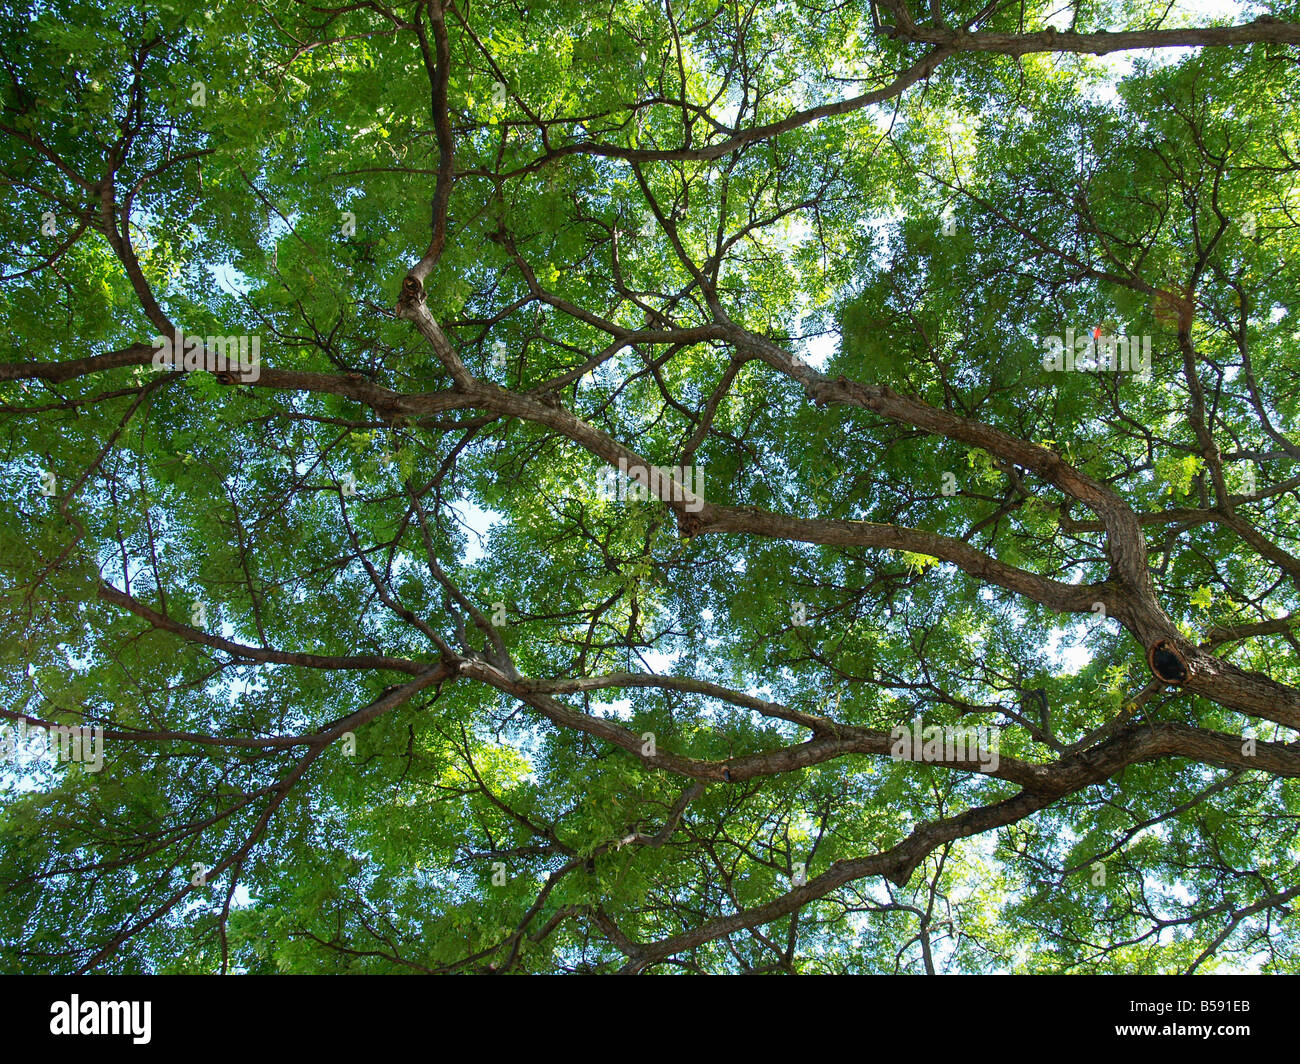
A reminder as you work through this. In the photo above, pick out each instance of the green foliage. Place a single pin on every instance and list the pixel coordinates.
(620, 174)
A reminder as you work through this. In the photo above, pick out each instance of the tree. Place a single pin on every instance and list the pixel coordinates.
(956, 346)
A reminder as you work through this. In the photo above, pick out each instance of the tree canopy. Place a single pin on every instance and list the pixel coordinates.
(392, 672)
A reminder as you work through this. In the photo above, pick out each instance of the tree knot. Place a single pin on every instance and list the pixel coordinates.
(1168, 665)
(412, 294)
